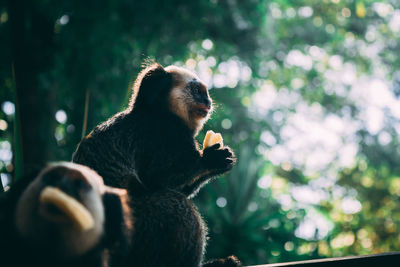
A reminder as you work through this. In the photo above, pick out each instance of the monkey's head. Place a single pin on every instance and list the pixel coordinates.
(173, 89)
(50, 225)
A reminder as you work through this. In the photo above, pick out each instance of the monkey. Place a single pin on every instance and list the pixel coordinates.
(150, 149)
(36, 233)
(151, 144)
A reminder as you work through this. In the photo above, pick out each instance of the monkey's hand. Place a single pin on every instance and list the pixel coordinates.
(214, 161)
(219, 160)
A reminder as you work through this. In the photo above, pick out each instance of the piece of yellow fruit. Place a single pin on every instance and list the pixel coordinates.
(212, 138)
(69, 205)
(207, 138)
(217, 138)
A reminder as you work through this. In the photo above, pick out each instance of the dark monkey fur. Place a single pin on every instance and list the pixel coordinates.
(150, 149)
(34, 233)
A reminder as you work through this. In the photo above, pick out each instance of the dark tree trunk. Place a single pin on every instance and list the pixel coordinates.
(32, 32)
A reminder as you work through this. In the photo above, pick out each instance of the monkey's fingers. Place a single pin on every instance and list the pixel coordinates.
(69, 205)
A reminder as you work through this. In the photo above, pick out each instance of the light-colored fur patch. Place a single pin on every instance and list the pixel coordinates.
(178, 103)
(180, 100)
(181, 74)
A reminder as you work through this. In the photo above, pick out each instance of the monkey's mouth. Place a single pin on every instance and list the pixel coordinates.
(53, 213)
(58, 206)
(201, 111)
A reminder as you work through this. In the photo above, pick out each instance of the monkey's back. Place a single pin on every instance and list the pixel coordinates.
(169, 231)
(110, 149)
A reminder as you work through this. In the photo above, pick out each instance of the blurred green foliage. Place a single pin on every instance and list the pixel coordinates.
(306, 93)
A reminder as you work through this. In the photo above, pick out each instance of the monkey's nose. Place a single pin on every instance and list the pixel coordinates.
(207, 102)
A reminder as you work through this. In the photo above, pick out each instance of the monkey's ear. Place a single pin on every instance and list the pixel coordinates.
(151, 86)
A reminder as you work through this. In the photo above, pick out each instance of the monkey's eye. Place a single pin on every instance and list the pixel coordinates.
(81, 184)
(51, 179)
(195, 87)
(196, 90)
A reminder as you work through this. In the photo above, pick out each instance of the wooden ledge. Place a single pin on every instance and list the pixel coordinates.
(376, 260)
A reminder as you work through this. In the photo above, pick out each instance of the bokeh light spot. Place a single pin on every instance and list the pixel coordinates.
(61, 116)
(8, 108)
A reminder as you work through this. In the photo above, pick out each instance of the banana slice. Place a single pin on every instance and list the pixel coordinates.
(69, 205)
(212, 138)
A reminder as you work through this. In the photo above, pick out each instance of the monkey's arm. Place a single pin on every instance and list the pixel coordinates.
(118, 225)
(175, 162)
(215, 162)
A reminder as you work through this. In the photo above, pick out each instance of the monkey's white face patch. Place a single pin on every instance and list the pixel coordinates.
(178, 103)
(181, 101)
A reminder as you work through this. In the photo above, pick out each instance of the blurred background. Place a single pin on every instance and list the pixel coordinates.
(306, 92)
